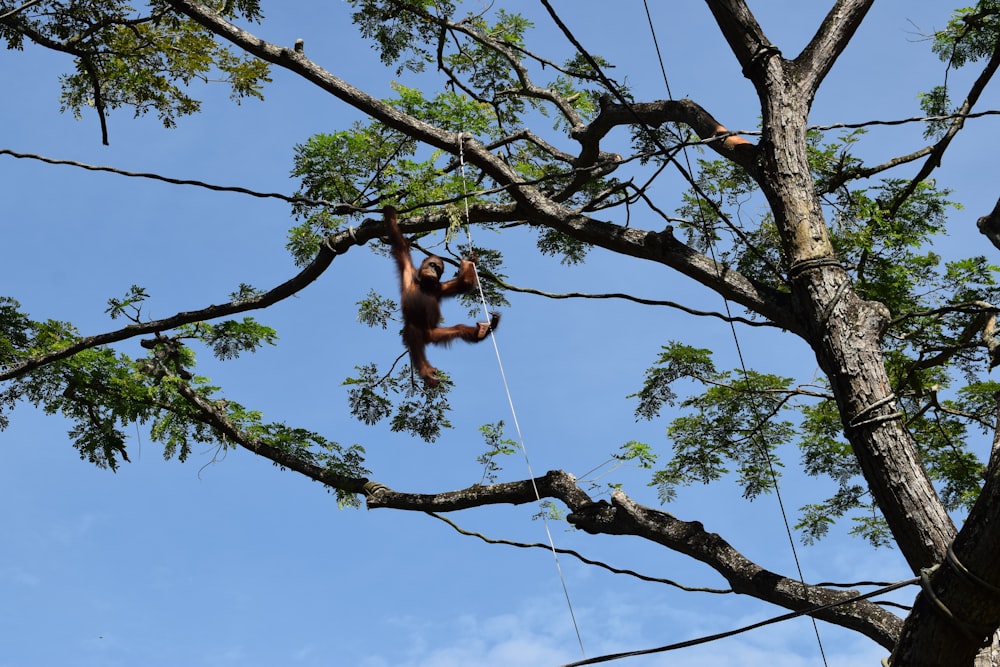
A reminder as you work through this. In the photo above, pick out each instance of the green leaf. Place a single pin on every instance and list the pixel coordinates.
(676, 362)
(410, 405)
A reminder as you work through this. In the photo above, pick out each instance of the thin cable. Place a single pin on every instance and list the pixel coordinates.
(656, 45)
(291, 199)
(346, 208)
(580, 557)
(513, 412)
(739, 352)
(746, 628)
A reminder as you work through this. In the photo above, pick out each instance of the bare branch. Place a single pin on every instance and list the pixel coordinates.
(836, 31)
(625, 517)
(95, 83)
(843, 177)
(654, 114)
(934, 160)
(215, 416)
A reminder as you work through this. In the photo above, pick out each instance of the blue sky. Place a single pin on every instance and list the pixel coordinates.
(229, 561)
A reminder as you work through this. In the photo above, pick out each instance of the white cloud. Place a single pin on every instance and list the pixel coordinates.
(70, 532)
(20, 577)
(303, 652)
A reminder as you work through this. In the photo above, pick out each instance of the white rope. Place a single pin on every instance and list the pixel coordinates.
(510, 402)
(739, 353)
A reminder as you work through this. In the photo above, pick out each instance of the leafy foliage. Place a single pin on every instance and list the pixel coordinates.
(102, 392)
(732, 422)
(496, 445)
(970, 34)
(228, 339)
(421, 411)
(676, 362)
(376, 310)
(489, 90)
(639, 452)
(15, 332)
(401, 29)
(123, 58)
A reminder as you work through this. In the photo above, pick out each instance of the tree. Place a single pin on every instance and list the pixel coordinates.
(903, 339)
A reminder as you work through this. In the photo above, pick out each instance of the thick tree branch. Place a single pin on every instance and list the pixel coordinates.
(297, 62)
(833, 36)
(341, 242)
(624, 517)
(958, 613)
(745, 36)
(844, 330)
(532, 204)
(554, 484)
(17, 10)
(752, 48)
(214, 415)
(654, 114)
(664, 248)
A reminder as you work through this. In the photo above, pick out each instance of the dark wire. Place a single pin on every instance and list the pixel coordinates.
(729, 633)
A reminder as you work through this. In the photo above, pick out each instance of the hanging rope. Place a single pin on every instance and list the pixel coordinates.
(513, 412)
(739, 352)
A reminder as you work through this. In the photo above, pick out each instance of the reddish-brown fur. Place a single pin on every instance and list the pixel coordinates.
(421, 291)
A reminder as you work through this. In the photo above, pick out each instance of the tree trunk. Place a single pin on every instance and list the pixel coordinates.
(844, 331)
(959, 608)
(967, 585)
